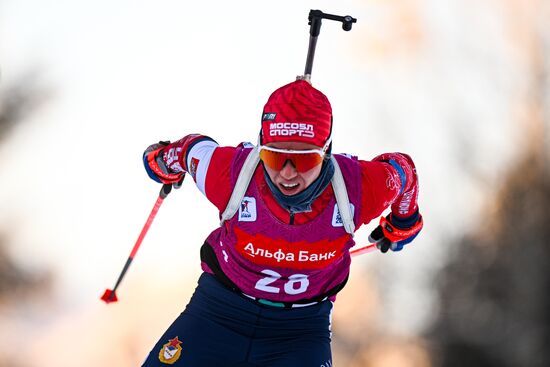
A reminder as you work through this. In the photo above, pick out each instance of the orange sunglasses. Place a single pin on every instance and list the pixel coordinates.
(303, 160)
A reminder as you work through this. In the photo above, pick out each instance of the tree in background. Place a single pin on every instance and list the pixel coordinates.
(494, 295)
(17, 284)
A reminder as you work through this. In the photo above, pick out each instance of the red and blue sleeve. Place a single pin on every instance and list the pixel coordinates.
(389, 179)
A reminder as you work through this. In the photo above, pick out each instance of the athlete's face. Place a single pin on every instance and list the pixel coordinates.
(288, 179)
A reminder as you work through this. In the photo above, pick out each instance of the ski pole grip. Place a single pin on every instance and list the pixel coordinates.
(315, 17)
(165, 190)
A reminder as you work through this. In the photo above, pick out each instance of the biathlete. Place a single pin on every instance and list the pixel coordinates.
(288, 210)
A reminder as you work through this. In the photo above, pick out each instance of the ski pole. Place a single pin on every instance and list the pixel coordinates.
(315, 17)
(110, 295)
(363, 250)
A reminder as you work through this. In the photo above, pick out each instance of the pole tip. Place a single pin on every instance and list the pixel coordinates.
(109, 296)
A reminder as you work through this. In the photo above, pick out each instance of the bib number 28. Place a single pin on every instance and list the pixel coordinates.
(296, 284)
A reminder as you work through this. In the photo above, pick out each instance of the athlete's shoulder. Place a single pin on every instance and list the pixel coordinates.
(347, 163)
(218, 172)
(345, 156)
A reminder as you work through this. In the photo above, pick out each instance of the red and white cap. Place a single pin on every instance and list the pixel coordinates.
(297, 112)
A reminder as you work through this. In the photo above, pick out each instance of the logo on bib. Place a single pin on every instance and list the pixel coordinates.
(337, 220)
(170, 351)
(247, 210)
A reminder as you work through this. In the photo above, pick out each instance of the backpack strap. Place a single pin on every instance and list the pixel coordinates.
(245, 176)
(342, 199)
(247, 171)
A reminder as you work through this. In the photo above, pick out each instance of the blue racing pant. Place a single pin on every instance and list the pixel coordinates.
(220, 327)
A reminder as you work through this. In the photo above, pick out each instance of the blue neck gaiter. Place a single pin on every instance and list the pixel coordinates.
(301, 202)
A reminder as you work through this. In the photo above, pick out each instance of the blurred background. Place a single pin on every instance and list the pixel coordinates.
(461, 86)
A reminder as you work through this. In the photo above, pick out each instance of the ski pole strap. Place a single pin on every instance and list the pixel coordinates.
(342, 199)
(247, 171)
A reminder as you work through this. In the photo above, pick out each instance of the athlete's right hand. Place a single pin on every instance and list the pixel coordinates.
(155, 166)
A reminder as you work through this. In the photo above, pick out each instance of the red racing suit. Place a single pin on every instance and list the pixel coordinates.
(388, 180)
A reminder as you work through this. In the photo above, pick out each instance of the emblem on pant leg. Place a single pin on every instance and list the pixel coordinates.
(170, 351)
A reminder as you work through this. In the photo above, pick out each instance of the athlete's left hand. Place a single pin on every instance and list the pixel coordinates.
(394, 232)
